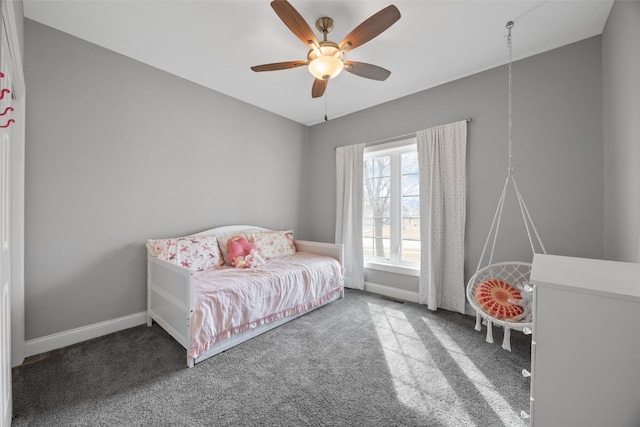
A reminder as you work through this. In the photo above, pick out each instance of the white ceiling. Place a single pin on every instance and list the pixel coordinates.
(214, 43)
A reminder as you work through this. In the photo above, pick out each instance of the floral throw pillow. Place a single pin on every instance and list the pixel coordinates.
(274, 244)
(165, 250)
(198, 253)
(195, 253)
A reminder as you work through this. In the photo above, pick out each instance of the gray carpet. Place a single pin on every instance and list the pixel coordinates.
(360, 361)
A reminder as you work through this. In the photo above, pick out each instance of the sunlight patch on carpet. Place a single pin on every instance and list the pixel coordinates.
(486, 391)
(418, 381)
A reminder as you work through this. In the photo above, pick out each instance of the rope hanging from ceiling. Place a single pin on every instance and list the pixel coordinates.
(500, 293)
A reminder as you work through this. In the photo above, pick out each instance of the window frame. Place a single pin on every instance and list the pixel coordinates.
(395, 264)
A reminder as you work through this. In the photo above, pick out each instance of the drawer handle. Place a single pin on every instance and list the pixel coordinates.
(524, 415)
(528, 288)
(526, 373)
(526, 331)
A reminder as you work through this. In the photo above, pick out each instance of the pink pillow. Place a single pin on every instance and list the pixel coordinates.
(223, 239)
(238, 247)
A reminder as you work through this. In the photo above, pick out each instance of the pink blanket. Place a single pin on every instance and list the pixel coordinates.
(231, 300)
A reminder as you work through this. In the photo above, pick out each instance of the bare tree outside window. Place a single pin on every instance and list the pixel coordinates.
(377, 208)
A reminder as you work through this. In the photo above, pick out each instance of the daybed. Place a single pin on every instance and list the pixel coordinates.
(209, 307)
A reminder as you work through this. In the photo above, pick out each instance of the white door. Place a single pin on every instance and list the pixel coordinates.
(5, 250)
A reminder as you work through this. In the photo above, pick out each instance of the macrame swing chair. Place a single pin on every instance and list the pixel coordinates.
(500, 293)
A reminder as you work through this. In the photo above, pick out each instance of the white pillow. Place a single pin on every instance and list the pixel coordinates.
(273, 244)
(164, 249)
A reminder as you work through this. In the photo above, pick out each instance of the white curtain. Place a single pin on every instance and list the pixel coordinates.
(442, 163)
(349, 199)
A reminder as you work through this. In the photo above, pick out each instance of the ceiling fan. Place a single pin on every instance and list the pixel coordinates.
(326, 58)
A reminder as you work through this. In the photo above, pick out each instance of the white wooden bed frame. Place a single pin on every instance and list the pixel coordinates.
(170, 296)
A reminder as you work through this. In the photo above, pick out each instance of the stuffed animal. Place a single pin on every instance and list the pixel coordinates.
(241, 253)
(252, 260)
(238, 246)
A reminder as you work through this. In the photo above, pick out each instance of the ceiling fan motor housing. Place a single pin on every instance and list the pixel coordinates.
(324, 25)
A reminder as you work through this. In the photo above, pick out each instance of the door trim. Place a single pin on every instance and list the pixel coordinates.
(16, 190)
(13, 39)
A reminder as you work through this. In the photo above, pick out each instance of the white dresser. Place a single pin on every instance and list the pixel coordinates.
(586, 343)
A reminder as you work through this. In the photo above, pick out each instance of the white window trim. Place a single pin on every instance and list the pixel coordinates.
(379, 149)
(392, 268)
(398, 267)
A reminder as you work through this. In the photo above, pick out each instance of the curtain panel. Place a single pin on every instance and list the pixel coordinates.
(442, 164)
(349, 204)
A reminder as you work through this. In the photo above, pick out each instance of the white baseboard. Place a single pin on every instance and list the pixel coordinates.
(389, 291)
(84, 333)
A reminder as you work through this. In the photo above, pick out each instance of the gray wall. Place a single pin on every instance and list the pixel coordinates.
(557, 128)
(119, 152)
(621, 109)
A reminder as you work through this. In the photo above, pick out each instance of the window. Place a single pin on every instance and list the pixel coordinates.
(391, 212)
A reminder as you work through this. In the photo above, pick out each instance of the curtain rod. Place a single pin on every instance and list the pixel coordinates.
(390, 139)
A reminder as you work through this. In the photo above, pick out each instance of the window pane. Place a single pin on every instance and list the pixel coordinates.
(381, 227)
(377, 187)
(367, 228)
(367, 210)
(381, 166)
(410, 163)
(411, 228)
(411, 207)
(382, 209)
(411, 185)
(367, 243)
(410, 175)
(376, 247)
(377, 206)
(411, 251)
(367, 168)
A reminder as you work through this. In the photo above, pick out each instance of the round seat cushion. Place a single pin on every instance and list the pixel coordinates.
(492, 296)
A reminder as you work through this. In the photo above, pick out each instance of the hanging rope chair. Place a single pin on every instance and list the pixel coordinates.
(500, 293)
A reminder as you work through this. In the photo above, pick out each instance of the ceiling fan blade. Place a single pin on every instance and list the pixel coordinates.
(278, 66)
(294, 21)
(367, 71)
(370, 28)
(318, 88)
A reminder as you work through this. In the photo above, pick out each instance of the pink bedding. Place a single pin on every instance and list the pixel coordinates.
(229, 300)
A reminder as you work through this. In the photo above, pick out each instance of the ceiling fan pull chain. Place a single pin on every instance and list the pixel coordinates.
(325, 105)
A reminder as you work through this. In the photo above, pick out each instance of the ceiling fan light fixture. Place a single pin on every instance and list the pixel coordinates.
(326, 65)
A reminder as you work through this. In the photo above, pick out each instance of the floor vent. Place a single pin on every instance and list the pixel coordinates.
(399, 301)
(42, 356)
